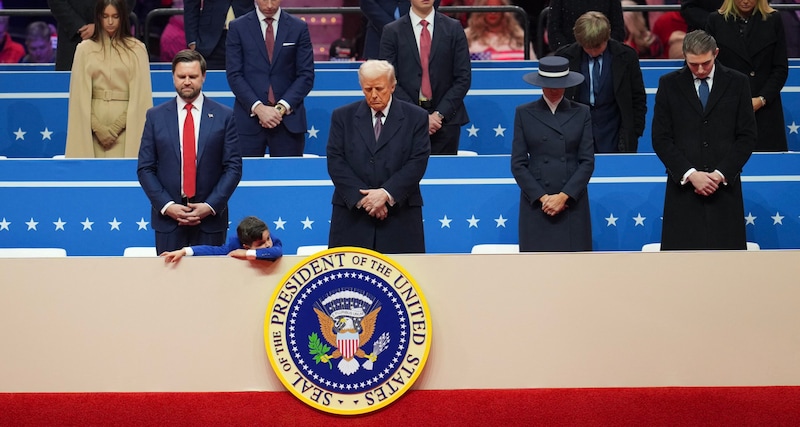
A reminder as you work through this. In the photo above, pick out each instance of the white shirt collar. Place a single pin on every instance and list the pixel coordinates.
(198, 103)
(262, 17)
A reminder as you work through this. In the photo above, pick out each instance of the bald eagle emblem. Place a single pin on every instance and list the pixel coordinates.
(347, 320)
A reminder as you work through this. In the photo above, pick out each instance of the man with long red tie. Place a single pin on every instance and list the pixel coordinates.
(430, 54)
(189, 161)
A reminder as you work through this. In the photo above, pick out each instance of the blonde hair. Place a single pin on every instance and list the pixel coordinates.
(592, 29)
(512, 31)
(730, 11)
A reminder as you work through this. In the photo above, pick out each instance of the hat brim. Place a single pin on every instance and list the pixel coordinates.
(571, 79)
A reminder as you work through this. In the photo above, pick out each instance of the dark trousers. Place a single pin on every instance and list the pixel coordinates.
(279, 140)
(445, 140)
(184, 236)
(215, 60)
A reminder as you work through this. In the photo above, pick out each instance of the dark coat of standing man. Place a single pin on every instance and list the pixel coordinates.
(449, 71)
(617, 99)
(205, 26)
(703, 149)
(75, 19)
(696, 12)
(270, 87)
(378, 14)
(184, 214)
(378, 150)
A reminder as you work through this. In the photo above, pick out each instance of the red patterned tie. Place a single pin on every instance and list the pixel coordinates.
(269, 40)
(189, 154)
(424, 58)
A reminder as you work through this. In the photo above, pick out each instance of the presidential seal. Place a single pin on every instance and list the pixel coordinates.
(347, 331)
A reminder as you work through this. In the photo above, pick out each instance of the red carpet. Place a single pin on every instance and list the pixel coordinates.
(678, 406)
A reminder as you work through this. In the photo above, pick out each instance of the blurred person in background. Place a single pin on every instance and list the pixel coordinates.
(109, 88)
(173, 39)
(496, 35)
(39, 43)
(564, 13)
(10, 51)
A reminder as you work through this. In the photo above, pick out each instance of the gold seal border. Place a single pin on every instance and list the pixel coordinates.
(276, 364)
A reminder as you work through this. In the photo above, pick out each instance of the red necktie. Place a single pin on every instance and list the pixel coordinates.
(424, 57)
(269, 40)
(189, 154)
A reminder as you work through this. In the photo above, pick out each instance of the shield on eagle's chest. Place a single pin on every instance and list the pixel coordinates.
(347, 342)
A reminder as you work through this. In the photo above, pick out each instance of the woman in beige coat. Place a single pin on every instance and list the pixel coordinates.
(109, 89)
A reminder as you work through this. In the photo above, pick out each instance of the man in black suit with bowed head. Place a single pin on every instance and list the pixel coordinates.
(704, 131)
(206, 30)
(378, 151)
(616, 94)
(448, 71)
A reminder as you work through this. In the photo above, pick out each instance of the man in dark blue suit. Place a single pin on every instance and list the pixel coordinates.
(270, 86)
(378, 151)
(204, 22)
(181, 215)
(378, 14)
(449, 70)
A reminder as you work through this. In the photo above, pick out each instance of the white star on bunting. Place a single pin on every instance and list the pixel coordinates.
(611, 220)
(142, 224)
(87, 225)
(307, 223)
(59, 224)
(445, 222)
(32, 225)
(793, 128)
(46, 134)
(750, 219)
(639, 219)
(20, 134)
(115, 224)
(4, 224)
(777, 219)
(312, 133)
(501, 222)
(473, 131)
(279, 224)
(499, 131)
(473, 222)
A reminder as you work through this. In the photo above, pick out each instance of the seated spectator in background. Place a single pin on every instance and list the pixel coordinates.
(791, 27)
(252, 241)
(496, 35)
(612, 85)
(671, 28)
(639, 36)
(10, 51)
(173, 39)
(39, 44)
(462, 17)
(564, 13)
(343, 50)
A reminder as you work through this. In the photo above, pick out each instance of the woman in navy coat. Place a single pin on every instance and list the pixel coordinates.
(552, 159)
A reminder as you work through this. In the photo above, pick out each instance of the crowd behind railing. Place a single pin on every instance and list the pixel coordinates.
(159, 30)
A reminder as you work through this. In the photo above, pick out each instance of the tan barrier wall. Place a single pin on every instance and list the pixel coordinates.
(500, 321)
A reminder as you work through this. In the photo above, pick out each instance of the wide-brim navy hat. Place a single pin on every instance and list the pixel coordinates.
(554, 73)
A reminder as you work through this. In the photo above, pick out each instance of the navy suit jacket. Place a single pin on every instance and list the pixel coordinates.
(204, 26)
(396, 163)
(378, 14)
(219, 165)
(450, 68)
(250, 72)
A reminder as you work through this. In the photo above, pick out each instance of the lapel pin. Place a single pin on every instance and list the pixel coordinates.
(210, 116)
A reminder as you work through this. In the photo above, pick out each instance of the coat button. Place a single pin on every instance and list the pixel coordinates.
(705, 144)
(752, 74)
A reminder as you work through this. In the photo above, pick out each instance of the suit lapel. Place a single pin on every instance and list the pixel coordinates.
(686, 87)
(284, 27)
(363, 121)
(206, 124)
(392, 124)
(254, 29)
(436, 41)
(408, 38)
(720, 86)
(171, 117)
(541, 112)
